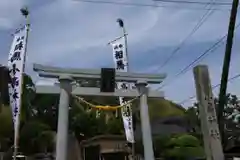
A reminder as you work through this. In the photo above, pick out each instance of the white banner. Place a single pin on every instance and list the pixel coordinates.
(16, 66)
(121, 65)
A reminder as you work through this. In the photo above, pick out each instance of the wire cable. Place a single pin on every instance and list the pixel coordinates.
(145, 5)
(213, 87)
(201, 21)
(199, 58)
(193, 2)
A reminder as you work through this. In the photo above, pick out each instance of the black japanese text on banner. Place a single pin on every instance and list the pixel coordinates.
(121, 65)
(16, 65)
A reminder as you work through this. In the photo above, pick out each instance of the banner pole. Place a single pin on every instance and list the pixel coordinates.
(120, 58)
(126, 48)
(121, 24)
(25, 13)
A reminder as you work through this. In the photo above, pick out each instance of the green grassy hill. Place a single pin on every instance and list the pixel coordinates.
(164, 108)
(161, 108)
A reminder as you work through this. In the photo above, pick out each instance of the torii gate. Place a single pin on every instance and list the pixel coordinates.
(67, 75)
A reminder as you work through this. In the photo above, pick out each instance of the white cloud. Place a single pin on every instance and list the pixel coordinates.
(75, 34)
(10, 13)
(67, 27)
(5, 23)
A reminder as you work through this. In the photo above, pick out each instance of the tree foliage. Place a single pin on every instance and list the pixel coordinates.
(231, 117)
(231, 110)
(6, 128)
(115, 126)
(192, 117)
(33, 135)
(175, 147)
(39, 119)
(182, 147)
(160, 143)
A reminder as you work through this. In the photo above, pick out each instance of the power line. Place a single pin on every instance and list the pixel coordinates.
(145, 5)
(193, 2)
(201, 21)
(199, 58)
(213, 87)
(189, 66)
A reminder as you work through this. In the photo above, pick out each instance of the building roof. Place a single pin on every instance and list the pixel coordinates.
(103, 137)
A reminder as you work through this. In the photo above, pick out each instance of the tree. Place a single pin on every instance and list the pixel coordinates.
(159, 144)
(4, 80)
(231, 120)
(86, 124)
(45, 109)
(45, 141)
(115, 126)
(231, 116)
(185, 146)
(28, 97)
(36, 137)
(32, 133)
(39, 117)
(231, 111)
(6, 129)
(192, 117)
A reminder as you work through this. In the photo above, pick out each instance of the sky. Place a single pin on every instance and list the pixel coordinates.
(71, 33)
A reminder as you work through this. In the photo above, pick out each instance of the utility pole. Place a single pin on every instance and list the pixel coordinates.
(225, 69)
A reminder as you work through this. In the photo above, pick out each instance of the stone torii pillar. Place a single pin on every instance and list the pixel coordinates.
(145, 122)
(63, 112)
